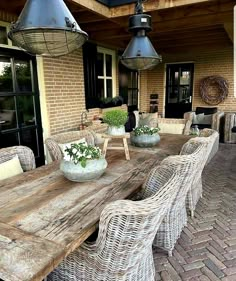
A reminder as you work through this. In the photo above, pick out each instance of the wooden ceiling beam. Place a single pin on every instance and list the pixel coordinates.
(88, 17)
(168, 26)
(93, 6)
(153, 5)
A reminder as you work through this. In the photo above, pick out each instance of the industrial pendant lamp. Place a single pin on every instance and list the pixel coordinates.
(140, 54)
(47, 28)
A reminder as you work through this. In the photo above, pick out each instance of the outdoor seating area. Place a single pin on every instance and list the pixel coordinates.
(117, 140)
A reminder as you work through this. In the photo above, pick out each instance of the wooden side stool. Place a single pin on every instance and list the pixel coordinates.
(124, 147)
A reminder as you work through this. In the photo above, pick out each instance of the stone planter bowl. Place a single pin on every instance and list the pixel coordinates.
(144, 140)
(75, 172)
(116, 131)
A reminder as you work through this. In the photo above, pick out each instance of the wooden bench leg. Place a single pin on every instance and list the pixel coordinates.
(126, 148)
(105, 147)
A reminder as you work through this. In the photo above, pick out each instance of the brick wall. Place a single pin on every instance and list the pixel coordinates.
(64, 91)
(206, 62)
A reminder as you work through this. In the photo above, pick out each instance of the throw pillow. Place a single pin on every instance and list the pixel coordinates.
(148, 119)
(206, 110)
(63, 146)
(207, 119)
(198, 118)
(10, 168)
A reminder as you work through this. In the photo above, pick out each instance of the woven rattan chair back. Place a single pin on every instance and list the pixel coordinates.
(25, 154)
(66, 137)
(213, 146)
(123, 250)
(176, 218)
(195, 191)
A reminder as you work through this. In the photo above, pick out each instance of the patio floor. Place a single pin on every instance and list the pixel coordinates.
(206, 249)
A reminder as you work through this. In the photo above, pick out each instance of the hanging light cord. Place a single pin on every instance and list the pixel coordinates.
(139, 7)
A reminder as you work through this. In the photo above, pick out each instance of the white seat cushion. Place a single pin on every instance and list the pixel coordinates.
(171, 128)
(10, 168)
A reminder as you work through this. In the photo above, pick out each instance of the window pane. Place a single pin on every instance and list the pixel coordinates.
(7, 113)
(6, 84)
(100, 64)
(26, 110)
(9, 139)
(3, 35)
(100, 88)
(109, 88)
(23, 76)
(29, 138)
(108, 65)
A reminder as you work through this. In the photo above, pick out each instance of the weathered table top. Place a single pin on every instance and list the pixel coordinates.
(43, 216)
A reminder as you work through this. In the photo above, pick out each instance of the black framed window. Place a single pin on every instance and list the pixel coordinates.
(99, 74)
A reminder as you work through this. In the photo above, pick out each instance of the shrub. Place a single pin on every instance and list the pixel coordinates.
(145, 130)
(81, 152)
(116, 117)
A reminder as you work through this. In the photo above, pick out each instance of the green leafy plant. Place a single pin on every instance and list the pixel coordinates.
(145, 130)
(115, 118)
(81, 152)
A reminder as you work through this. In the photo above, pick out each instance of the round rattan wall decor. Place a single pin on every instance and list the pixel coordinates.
(214, 89)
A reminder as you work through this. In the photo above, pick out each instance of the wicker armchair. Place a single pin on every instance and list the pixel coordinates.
(230, 128)
(25, 154)
(211, 140)
(123, 250)
(53, 141)
(176, 218)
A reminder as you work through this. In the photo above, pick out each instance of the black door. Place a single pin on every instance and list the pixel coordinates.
(128, 87)
(20, 120)
(179, 88)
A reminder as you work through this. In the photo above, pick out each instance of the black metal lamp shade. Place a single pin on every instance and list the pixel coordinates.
(140, 54)
(47, 28)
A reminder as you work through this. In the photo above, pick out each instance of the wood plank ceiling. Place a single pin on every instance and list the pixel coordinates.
(187, 26)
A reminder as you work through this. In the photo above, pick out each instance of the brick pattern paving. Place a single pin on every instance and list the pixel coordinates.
(206, 249)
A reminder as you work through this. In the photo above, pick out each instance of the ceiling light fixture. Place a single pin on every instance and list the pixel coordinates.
(47, 28)
(140, 54)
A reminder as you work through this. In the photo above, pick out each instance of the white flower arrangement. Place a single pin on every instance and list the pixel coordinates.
(81, 152)
(145, 130)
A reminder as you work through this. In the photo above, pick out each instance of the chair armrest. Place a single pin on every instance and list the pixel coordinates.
(187, 127)
(217, 119)
(230, 122)
(189, 115)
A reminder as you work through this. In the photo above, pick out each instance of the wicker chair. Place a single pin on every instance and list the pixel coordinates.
(53, 141)
(123, 249)
(230, 128)
(25, 154)
(211, 140)
(176, 218)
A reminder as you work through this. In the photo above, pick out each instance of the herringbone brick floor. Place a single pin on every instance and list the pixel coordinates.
(206, 249)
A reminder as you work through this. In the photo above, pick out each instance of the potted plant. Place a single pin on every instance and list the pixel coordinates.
(145, 136)
(116, 120)
(83, 162)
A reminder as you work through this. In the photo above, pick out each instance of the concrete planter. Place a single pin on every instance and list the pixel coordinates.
(144, 140)
(75, 172)
(116, 131)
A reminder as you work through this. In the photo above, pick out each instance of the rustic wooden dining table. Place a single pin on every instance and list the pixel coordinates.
(44, 216)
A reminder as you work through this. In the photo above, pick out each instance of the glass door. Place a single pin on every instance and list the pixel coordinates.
(179, 88)
(20, 120)
(128, 87)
